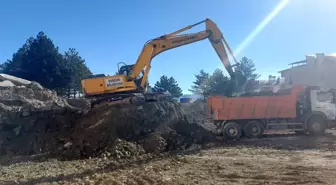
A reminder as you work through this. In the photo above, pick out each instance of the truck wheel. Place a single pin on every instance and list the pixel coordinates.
(253, 129)
(231, 131)
(316, 125)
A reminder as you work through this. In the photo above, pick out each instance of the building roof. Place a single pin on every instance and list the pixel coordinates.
(303, 62)
(298, 62)
(291, 68)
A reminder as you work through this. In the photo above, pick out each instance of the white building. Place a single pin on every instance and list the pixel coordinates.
(318, 70)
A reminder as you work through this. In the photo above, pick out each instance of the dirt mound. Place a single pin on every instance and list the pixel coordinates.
(154, 143)
(28, 107)
(19, 97)
(153, 128)
(37, 133)
(35, 120)
(197, 113)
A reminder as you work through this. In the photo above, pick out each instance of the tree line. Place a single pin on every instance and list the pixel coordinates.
(40, 60)
(217, 83)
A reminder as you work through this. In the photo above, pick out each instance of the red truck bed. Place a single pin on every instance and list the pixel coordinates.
(254, 107)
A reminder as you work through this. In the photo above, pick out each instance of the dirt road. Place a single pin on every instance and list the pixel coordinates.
(274, 159)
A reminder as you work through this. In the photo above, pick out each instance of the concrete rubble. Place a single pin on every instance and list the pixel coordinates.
(34, 120)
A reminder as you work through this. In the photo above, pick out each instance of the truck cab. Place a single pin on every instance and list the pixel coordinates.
(323, 101)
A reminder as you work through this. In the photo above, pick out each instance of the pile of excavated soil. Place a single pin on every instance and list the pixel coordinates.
(150, 128)
(26, 106)
(35, 120)
(21, 96)
(105, 131)
(197, 113)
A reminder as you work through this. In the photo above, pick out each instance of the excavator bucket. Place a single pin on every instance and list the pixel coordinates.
(239, 80)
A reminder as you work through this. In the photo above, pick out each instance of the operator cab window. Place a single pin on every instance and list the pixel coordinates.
(123, 71)
(324, 96)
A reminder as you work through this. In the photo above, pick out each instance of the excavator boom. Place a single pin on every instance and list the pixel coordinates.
(173, 40)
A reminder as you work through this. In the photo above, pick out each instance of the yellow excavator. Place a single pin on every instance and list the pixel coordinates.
(130, 83)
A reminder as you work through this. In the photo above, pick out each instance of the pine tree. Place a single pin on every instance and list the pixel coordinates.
(168, 84)
(201, 84)
(78, 70)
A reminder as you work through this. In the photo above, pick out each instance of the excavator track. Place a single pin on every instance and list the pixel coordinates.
(126, 99)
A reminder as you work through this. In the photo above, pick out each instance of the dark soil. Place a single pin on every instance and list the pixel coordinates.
(73, 134)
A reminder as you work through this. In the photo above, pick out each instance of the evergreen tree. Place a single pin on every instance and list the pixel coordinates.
(78, 70)
(220, 84)
(246, 78)
(39, 60)
(168, 84)
(201, 84)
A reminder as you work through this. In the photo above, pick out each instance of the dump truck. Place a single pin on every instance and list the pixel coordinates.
(302, 109)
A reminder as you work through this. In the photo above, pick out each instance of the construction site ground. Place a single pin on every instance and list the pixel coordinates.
(48, 139)
(274, 159)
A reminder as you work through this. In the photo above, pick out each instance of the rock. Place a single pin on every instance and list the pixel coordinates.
(24, 99)
(13, 79)
(6, 83)
(35, 85)
(79, 103)
(154, 143)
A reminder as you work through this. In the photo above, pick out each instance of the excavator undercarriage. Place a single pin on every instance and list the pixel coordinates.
(129, 98)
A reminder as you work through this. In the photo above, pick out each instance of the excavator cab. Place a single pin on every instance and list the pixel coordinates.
(127, 70)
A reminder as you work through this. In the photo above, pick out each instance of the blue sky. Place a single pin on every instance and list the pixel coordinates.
(106, 32)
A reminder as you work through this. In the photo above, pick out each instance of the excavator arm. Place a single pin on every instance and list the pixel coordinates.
(173, 40)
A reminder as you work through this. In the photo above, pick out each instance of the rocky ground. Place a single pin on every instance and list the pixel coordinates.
(274, 159)
(45, 139)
